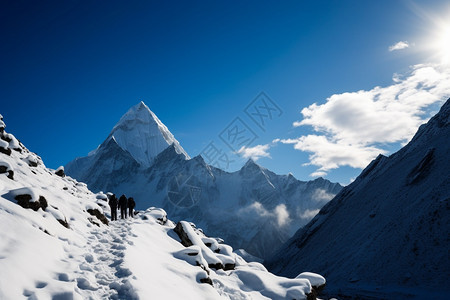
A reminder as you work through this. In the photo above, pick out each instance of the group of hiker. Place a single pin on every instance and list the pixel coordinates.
(123, 203)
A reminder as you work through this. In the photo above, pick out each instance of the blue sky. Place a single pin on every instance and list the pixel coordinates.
(71, 69)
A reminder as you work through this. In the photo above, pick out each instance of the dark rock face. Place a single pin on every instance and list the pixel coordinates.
(60, 173)
(119, 162)
(32, 163)
(217, 266)
(6, 137)
(4, 169)
(43, 202)
(182, 235)
(99, 215)
(6, 151)
(229, 267)
(24, 201)
(63, 223)
(206, 280)
(421, 170)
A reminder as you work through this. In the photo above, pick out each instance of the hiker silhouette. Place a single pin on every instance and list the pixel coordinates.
(113, 205)
(123, 205)
(131, 205)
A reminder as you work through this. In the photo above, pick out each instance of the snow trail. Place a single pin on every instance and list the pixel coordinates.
(101, 272)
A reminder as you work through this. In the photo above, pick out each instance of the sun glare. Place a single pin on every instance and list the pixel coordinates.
(442, 42)
(437, 42)
(434, 38)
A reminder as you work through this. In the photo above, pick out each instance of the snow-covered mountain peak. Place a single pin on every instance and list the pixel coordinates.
(143, 135)
(138, 113)
(251, 165)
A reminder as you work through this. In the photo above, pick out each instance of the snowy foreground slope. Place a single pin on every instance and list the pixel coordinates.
(55, 244)
(387, 234)
(253, 208)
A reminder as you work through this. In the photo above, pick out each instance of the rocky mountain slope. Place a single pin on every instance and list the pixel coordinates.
(56, 243)
(252, 208)
(387, 234)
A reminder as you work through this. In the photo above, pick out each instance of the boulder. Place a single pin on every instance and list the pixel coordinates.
(99, 215)
(32, 161)
(24, 201)
(6, 168)
(60, 172)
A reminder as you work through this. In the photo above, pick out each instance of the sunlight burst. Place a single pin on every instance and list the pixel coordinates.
(442, 42)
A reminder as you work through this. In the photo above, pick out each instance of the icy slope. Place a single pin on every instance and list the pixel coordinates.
(55, 244)
(387, 233)
(252, 208)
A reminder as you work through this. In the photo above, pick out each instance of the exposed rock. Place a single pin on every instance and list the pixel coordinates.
(5, 136)
(206, 280)
(94, 221)
(99, 215)
(311, 296)
(182, 235)
(5, 168)
(60, 172)
(229, 267)
(64, 223)
(43, 202)
(24, 201)
(422, 169)
(6, 151)
(32, 163)
(217, 266)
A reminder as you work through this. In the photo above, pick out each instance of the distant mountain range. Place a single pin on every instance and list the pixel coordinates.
(386, 235)
(252, 208)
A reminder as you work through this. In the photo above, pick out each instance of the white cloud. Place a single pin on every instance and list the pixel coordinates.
(399, 46)
(256, 210)
(282, 215)
(255, 152)
(308, 214)
(352, 128)
(320, 195)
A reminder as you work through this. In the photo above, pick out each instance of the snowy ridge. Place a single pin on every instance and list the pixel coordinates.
(386, 234)
(57, 244)
(253, 208)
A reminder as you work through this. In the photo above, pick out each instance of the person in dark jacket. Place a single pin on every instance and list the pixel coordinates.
(123, 205)
(131, 205)
(113, 205)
